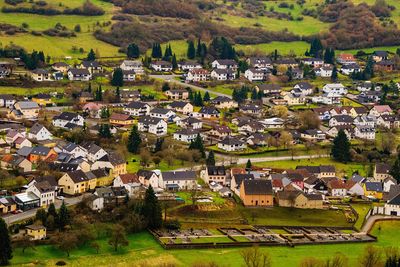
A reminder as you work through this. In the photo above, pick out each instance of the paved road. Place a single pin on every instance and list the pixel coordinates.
(12, 218)
(170, 79)
(371, 221)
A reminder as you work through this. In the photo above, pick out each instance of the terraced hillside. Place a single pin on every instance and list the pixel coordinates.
(298, 19)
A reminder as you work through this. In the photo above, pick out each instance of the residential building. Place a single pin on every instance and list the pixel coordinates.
(121, 119)
(77, 182)
(41, 75)
(137, 109)
(231, 144)
(257, 192)
(35, 232)
(223, 74)
(132, 65)
(198, 75)
(178, 180)
(161, 65)
(224, 64)
(181, 107)
(216, 174)
(92, 66)
(186, 135)
(68, 120)
(177, 94)
(79, 74)
(152, 125)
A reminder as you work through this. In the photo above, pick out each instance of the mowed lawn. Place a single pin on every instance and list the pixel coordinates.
(143, 250)
(341, 168)
(28, 91)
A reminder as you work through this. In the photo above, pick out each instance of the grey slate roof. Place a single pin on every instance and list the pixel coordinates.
(257, 187)
(178, 175)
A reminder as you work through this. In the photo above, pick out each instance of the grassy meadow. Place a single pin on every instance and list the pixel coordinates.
(143, 250)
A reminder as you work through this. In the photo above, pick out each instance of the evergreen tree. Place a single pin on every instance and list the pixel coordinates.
(206, 97)
(275, 54)
(89, 89)
(118, 94)
(165, 87)
(198, 144)
(133, 51)
(254, 94)
(41, 216)
(222, 49)
(395, 170)
(5, 244)
(104, 131)
(368, 72)
(191, 51)
(210, 159)
(248, 165)
(158, 145)
(167, 53)
(191, 96)
(51, 211)
(117, 77)
(329, 56)
(316, 48)
(341, 147)
(91, 55)
(63, 217)
(152, 209)
(334, 76)
(174, 62)
(199, 49)
(156, 51)
(134, 140)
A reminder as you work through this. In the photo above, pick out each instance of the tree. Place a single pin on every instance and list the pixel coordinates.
(41, 216)
(248, 165)
(191, 51)
(371, 257)
(63, 217)
(309, 120)
(395, 170)
(51, 211)
(174, 62)
(286, 139)
(26, 243)
(104, 131)
(198, 144)
(206, 97)
(253, 257)
(134, 140)
(210, 159)
(91, 56)
(316, 48)
(152, 209)
(133, 51)
(279, 111)
(5, 244)
(118, 237)
(334, 76)
(341, 147)
(117, 95)
(117, 77)
(329, 56)
(67, 242)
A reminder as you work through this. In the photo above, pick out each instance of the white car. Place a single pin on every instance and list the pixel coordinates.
(60, 197)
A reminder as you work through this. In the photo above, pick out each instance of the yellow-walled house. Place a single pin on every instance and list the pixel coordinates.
(104, 177)
(77, 182)
(42, 99)
(373, 189)
(36, 232)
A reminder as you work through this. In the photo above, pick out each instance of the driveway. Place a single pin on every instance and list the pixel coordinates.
(12, 218)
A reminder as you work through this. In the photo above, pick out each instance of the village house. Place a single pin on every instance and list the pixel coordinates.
(93, 151)
(132, 65)
(28, 110)
(378, 56)
(365, 86)
(224, 102)
(85, 97)
(379, 110)
(373, 190)
(231, 144)
(163, 113)
(111, 161)
(335, 88)
(262, 63)
(22, 142)
(152, 125)
(314, 135)
(294, 99)
(42, 99)
(186, 135)
(257, 192)
(37, 153)
(251, 127)
(384, 65)
(68, 120)
(130, 181)
(303, 88)
(392, 206)
(127, 95)
(388, 121)
(35, 232)
(369, 97)
(382, 171)
(254, 74)
(94, 109)
(285, 64)
(189, 65)
(273, 123)
(322, 171)
(61, 67)
(209, 112)
(346, 59)
(39, 133)
(147, 178)
(15, 162)
(347, 129)
(340, 120)
(216, 174)
(257, 139)
(181, 107)
(269, 89)
(198, 75)
(92, 66)
(177, 94)
(41, 75)
(298, 199)
(224, 64)
(137, 109)
(337, 188)
(190, 122)
(364, 132)
(251, 109)
(178, 180)
(128, 75)
(223, 74)
(348, 69)
(354, 188)
(7, 205)
(161, 65)
(44, 191)
(120, 119)
(79, 74)
(314, 62)
(220, 131)
(77, 182)
(7, 101)
(325, 71)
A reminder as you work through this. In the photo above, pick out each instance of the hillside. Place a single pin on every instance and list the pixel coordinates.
(109, 26)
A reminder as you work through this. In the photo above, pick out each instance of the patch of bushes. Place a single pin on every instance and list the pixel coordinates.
(122, 17)
(13, 2)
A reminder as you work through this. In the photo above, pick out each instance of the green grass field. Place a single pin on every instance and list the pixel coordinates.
(143, 250)
(341, 168)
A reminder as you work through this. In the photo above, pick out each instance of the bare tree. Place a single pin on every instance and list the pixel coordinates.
(372, 257)
(253, 257)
